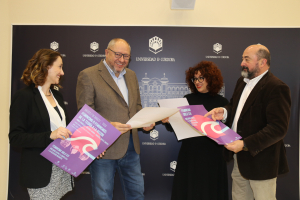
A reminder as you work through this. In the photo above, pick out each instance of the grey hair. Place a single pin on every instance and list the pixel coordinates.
(113, 42)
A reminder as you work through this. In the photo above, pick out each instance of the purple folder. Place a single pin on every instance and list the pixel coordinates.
(92, 134)
(215, 130)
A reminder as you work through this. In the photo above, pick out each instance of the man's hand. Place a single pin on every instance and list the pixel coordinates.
(123, 128)
(165, 120)
(149, 127)
(101, 155)
(216, 113)
(235, 146)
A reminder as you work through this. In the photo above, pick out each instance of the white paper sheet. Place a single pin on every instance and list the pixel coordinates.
(181, 128)
(149, 115)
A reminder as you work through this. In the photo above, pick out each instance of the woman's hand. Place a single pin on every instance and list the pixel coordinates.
(61, 133)
(165, 120)
(149, 127)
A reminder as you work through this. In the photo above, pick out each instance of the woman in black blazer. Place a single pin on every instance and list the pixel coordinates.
(37, 117)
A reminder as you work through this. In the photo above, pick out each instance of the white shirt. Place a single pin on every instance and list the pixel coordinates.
(120, 81)
(250, 84)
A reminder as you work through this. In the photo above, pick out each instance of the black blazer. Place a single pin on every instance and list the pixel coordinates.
(263, 123)
(30, 129)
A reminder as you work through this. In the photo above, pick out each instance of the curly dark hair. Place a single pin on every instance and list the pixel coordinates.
(210, 72)
(37, 67)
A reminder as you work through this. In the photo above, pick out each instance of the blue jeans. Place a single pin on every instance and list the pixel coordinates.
(129, 169)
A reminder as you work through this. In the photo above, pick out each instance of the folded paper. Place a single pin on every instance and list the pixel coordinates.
(147, 116)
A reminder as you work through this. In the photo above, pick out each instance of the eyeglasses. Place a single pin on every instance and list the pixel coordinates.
(119, 55)
(200, 79)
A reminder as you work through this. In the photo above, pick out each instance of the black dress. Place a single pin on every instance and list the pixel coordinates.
(201, 171)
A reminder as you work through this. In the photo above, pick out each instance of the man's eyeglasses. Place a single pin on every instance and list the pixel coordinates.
(119, 55)
(200, 79)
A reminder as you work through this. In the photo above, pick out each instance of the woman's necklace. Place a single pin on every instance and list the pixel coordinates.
(48, 94)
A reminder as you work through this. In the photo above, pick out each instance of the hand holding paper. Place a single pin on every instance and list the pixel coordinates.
(101, 155)
(165, 120)
(149, 127)
(147, 116)
(61, 133)
(181, 128)
(123, 128)
(216, 114)
(235, 146)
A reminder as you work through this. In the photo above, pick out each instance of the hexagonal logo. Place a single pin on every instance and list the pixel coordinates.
(173, 166)
(94, 47)
(155, 45)
(54, 46)
(154, 134)
(56, 87)
(217, 48)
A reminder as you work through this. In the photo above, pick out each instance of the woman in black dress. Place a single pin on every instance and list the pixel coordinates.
(201, 171)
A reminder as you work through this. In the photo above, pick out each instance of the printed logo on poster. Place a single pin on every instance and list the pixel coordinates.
(54, 46)
(217, 48)
(154, 135)
(155, 45)
(173, 166)
(94, 46)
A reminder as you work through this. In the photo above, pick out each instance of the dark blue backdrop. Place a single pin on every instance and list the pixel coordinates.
(181, 47)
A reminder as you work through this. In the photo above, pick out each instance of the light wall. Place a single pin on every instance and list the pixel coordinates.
(219, 13)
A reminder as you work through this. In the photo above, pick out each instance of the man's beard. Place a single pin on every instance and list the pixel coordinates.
(250, 74)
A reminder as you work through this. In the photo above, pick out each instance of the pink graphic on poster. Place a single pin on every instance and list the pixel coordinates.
(207, 126)
(91, 135)
(215, 130)
(84, 140)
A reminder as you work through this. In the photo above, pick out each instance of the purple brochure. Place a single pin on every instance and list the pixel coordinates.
(215, 130)
(92, 134)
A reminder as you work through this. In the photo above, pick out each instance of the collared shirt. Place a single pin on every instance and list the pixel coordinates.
(250, 84)
(120, 81)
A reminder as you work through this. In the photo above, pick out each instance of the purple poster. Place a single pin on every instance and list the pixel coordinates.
(215, 130)
(91, 135)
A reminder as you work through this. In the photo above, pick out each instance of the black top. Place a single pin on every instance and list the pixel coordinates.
(201, 171)
(57, 110)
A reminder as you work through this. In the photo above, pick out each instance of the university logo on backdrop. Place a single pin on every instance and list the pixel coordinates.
(154, 135)
(217, 48)
(173, 166)
(94, 46)
(155, 45)
(54, 46)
